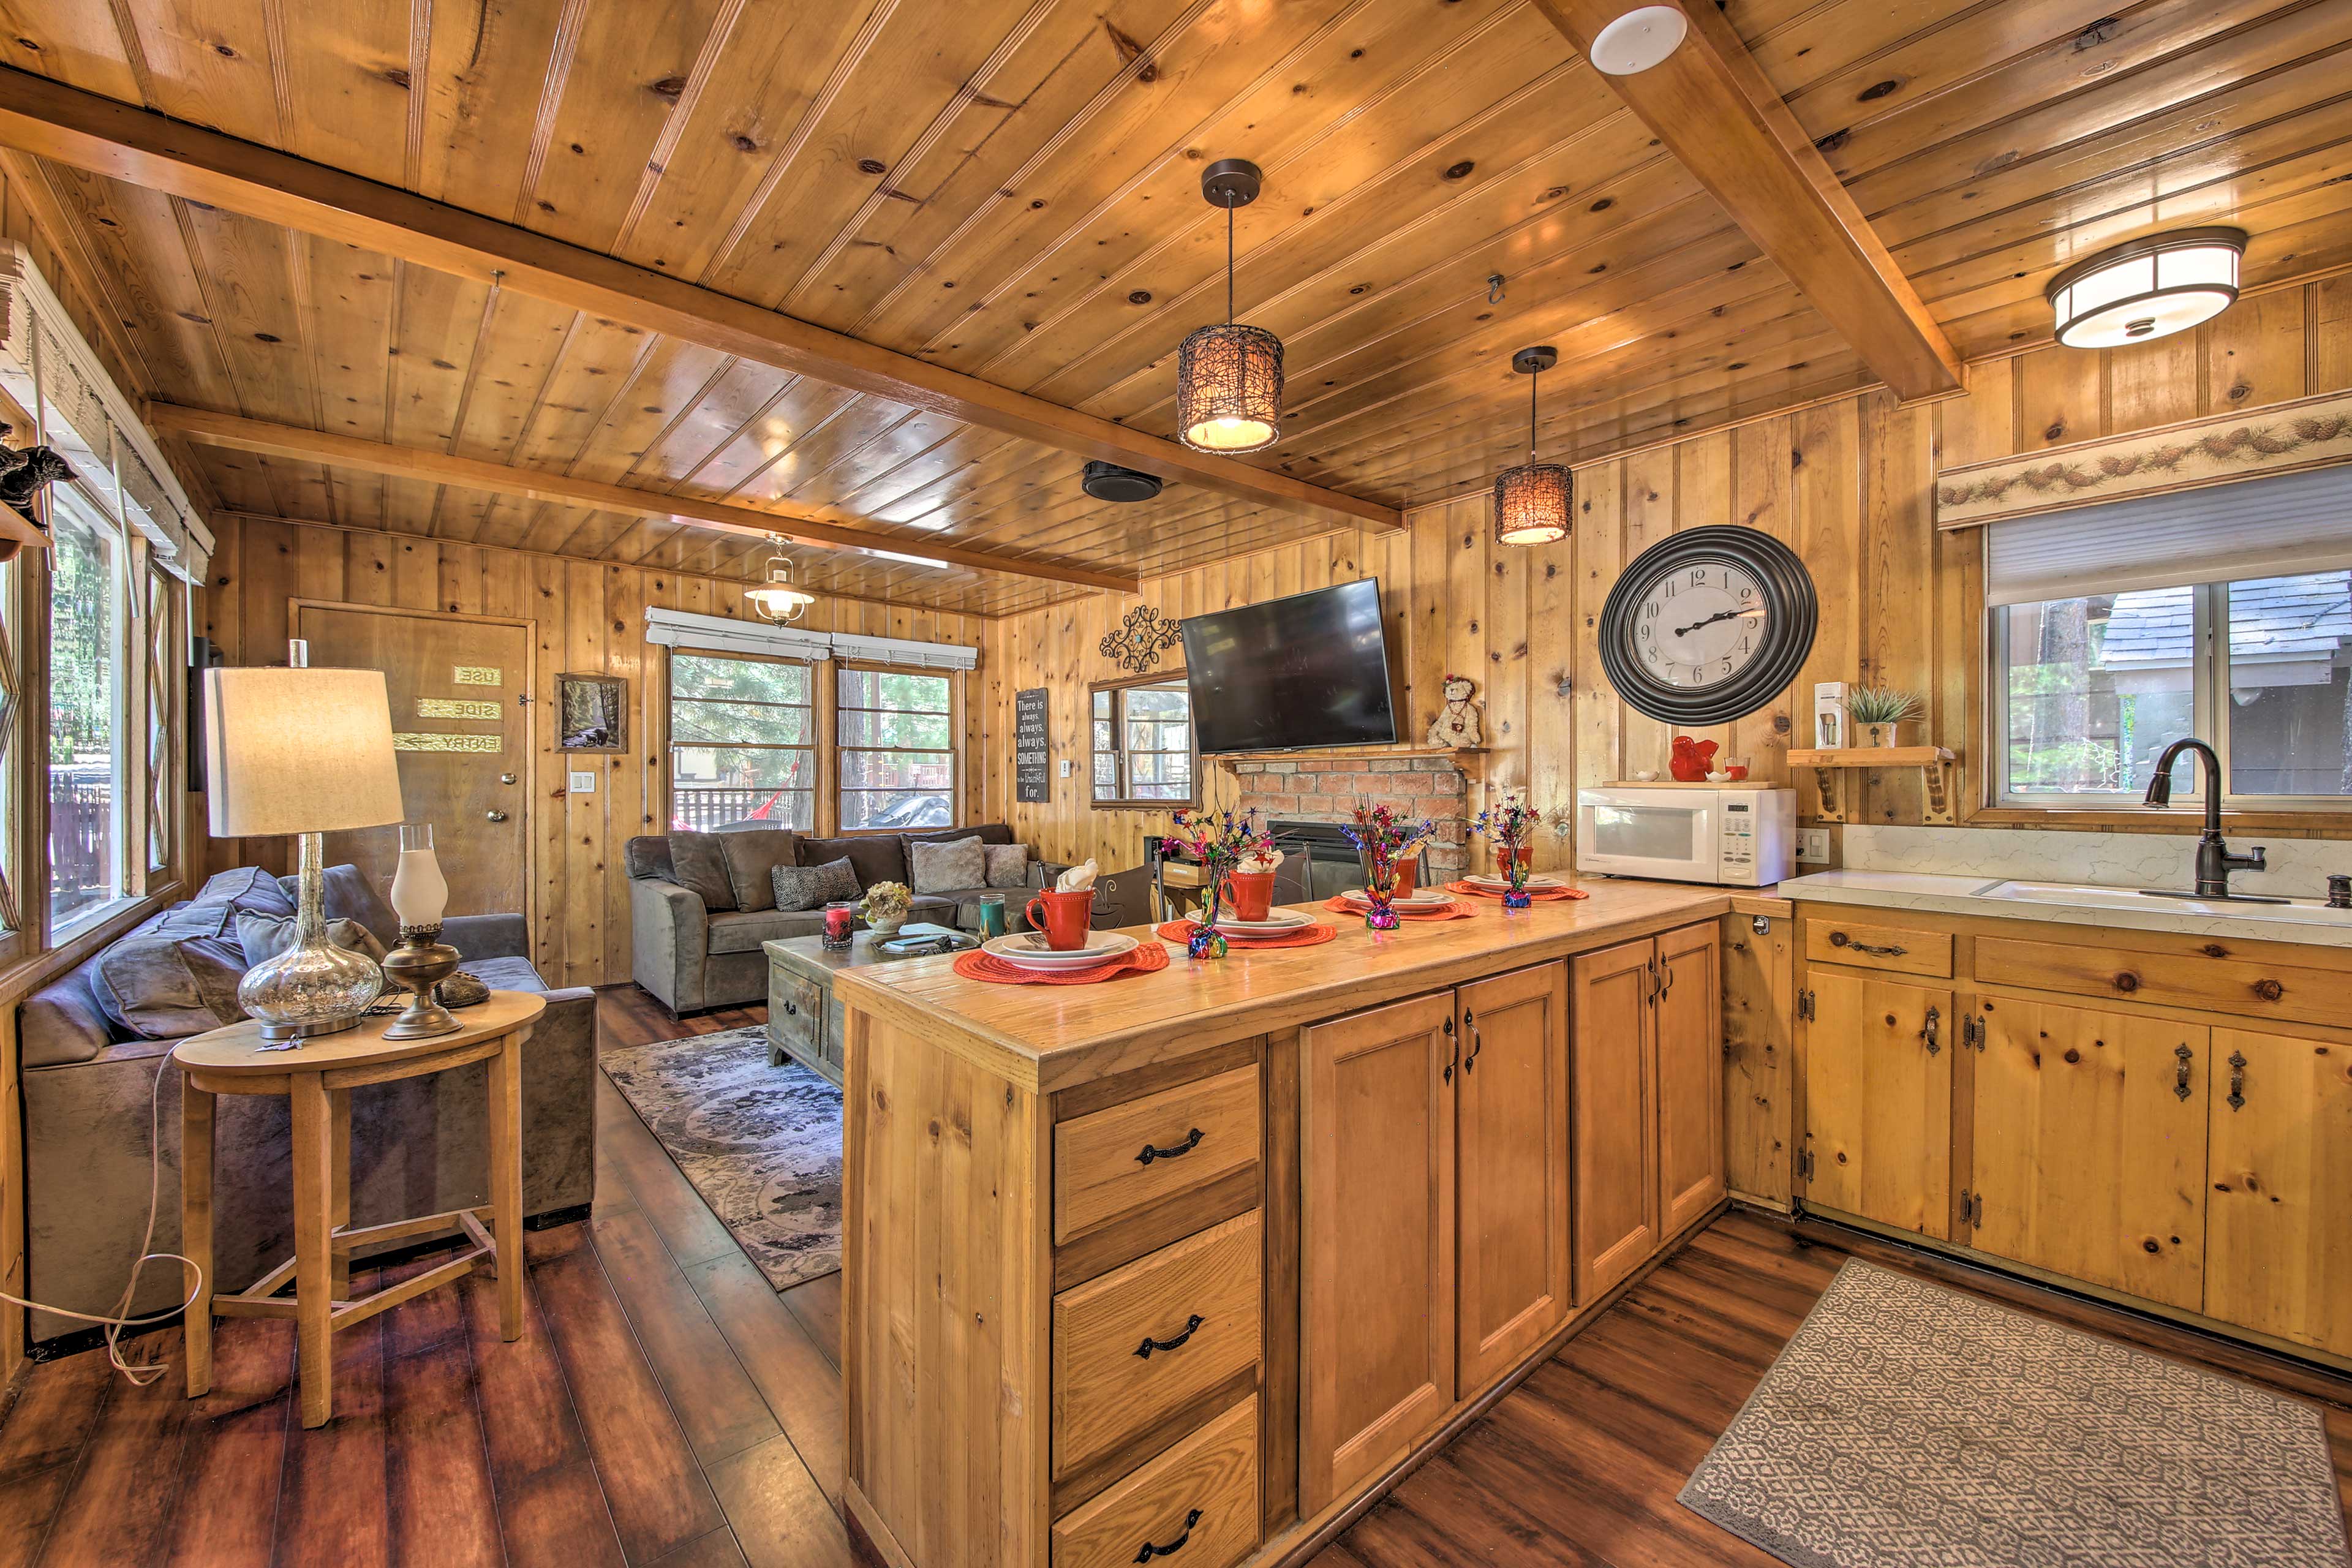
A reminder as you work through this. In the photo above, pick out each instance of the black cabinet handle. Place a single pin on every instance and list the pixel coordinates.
(1173, 1547)
(1148, 1346)
(1477, 1041)
(791, 1009)
(1192, 1141)
(1839, 939)
(1453, 1050)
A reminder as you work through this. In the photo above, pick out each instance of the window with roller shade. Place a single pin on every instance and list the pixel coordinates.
(897, 732)
(743, 740)
(2224, 612)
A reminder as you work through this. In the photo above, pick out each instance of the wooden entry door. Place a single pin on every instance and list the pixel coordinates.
(463, 738)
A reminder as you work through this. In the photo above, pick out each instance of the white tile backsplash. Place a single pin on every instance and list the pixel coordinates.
(2299, 867)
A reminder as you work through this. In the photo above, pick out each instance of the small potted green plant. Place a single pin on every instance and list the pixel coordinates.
(885, 907)
(1879, 712)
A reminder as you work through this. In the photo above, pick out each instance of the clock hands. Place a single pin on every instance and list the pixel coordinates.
(1719, 615)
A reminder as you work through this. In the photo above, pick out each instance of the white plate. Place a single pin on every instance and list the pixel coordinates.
(1502, 885)
(1421, 900)
(1028, 950)
(1275, 924)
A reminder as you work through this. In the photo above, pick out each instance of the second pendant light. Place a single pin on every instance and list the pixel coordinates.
(1229, 378)
(1532, 502)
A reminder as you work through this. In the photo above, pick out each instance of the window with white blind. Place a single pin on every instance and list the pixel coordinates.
(2224, 612)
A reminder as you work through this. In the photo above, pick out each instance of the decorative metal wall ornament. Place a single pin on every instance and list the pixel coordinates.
(1139, 640)
(1229, 377)
(1533, 502)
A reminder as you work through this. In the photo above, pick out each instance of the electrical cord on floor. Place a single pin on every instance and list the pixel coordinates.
(141, 1374)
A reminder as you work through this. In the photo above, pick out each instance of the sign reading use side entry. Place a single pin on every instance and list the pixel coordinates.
(1032, 762)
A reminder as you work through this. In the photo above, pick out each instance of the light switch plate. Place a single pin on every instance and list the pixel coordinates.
(1813, 846)
(584, 782)
(1066, 767)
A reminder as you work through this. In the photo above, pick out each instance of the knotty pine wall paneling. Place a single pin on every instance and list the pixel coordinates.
(1848, 482)
(589, 618)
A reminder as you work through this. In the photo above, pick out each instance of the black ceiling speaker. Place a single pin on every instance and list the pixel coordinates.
(1108, 481)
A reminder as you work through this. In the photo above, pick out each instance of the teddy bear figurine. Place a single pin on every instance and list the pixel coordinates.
(1457, 724)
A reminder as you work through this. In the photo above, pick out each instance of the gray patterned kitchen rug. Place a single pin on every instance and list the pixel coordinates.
(1907, 1426)
(760, 1143)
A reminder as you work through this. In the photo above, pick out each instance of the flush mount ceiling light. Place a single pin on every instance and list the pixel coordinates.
(776, 599)
(1531, 501)
(1229, 378)
(2147, 287)
(1638, 40)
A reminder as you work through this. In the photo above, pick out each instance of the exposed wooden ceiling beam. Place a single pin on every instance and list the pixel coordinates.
(530, 484)
(142, 148)
(1710, 105)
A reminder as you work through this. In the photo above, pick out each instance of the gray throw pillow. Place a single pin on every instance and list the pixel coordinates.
(749, 854)
(698, 861)
(163, 987)
(799, 888)
(264, 937)
(948, 868)
(1008, 864)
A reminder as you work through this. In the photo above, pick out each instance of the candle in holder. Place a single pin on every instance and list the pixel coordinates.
(838, 921)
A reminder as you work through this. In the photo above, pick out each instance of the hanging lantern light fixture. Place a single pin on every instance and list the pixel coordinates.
(1229, 378)
(1532, 501)
(778, 599)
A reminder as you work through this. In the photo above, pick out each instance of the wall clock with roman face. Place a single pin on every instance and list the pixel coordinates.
(1708, 625)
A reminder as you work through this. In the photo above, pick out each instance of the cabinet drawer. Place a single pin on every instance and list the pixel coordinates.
(1194, 1302)
(797, 1009)
(2252, 987)
(1202, 1492)
(1892, 949)
(1122, 1158)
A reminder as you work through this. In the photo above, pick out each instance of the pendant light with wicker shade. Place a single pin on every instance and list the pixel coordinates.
(1229, 378)
(1533, 502)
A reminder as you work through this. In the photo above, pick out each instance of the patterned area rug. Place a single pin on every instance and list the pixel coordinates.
(1906, 1426)
(760, 1143)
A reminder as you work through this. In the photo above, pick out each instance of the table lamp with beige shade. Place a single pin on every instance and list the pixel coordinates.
(306, 751)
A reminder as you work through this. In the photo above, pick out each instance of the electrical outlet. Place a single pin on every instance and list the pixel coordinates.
(584, 782)
(1066, 767)
(1813, 846)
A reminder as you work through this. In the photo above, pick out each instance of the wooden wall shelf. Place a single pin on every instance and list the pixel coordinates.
(1933, 762)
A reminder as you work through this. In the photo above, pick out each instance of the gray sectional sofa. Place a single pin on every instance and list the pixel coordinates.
(702, 903)
(417, 1146)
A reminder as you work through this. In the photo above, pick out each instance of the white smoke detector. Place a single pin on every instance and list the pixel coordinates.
(1639, 40)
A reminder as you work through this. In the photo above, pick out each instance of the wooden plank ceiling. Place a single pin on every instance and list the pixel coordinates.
(1010, 188)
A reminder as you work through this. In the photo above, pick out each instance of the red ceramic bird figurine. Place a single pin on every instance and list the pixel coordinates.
(1691, 759)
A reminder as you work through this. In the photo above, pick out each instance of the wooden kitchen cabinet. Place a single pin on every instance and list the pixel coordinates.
(1510, 1136)
(2278, 1250)
(1690, 1075)
(1876, 1060)
(1377, 1286)
(2090, 1130)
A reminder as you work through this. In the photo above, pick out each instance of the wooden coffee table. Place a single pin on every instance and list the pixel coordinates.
(804, 1019)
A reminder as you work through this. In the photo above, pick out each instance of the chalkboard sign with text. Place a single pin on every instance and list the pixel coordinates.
(1033, 760)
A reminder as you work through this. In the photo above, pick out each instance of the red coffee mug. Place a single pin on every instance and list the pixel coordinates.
(1252, 893)
(1408, 876)
(1066, 919)
(1524, 853)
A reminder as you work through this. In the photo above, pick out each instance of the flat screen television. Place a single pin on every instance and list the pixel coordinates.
(1289, 674)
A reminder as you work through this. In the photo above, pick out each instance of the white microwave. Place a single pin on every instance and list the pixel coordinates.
(1732, 837)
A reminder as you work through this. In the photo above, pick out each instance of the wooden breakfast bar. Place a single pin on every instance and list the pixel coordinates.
(1194, 1263)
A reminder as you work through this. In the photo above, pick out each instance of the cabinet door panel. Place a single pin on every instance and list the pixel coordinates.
(1511, 1170)
(1613, 1079)
(1878, 1103)
(1376, 1131)
(2278, 1248)
(2088, 1160)
(1690, 1075)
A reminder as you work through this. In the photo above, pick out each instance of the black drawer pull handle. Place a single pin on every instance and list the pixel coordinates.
(1192, 1141)
(1173, 1547)
(1839, 939)
(1148, 1346)
(791, 1009)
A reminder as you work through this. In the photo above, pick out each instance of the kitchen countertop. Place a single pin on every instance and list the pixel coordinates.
(1049, 1038)
(2116, 909)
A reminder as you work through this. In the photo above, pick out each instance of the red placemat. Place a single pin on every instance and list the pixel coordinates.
(1455, 909)
(1303, 936)
(1541, 895)
(975, 964)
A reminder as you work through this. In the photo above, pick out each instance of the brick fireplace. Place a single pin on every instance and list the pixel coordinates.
(1327, 787)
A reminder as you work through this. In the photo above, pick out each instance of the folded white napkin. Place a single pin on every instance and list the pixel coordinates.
(1259, 860)
(1076, 879)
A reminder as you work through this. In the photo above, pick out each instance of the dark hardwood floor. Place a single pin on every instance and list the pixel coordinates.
(667, 1408)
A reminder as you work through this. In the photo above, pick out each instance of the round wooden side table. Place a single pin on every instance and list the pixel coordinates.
(318, 1079)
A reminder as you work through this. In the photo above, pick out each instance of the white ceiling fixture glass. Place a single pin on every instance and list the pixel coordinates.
(1229, 378)
(2147, 287)
(1638, 40)
(778, 599)
(1532, 502)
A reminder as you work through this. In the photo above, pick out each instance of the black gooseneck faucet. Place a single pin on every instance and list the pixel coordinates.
(2214, 861)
